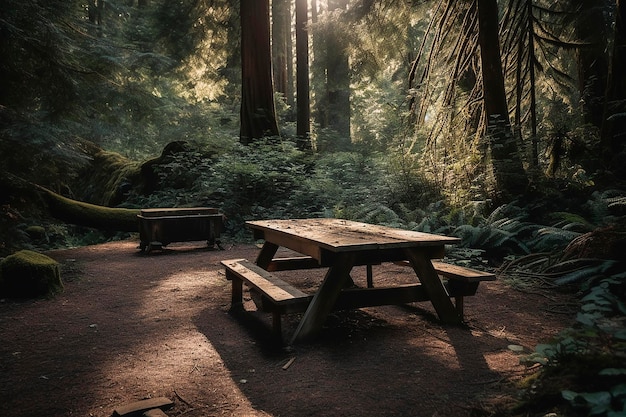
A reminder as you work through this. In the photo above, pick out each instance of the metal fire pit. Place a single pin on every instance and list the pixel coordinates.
(159, 227)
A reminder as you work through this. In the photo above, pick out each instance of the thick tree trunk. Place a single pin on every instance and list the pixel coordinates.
(511, 180)
(302, 75)
(614, 120)
(258, 115)
(592, 61)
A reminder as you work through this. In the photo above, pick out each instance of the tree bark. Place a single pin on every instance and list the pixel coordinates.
(258, 115)
(511, 180)
(281, 30)
(89, 215)
(318, 70)
(302, 75)
(592, 61)
(614, 120)
(337, 85)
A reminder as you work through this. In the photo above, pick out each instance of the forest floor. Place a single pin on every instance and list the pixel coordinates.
(131, 326)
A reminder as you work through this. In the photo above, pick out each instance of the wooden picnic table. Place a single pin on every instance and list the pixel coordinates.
(342, 244)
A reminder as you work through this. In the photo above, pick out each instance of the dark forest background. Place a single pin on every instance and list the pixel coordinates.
(502, 123)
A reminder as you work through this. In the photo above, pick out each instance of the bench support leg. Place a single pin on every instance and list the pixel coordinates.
(276, 326)
(458, 302)
(236, 302)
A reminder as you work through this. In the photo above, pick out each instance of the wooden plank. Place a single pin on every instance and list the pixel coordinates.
(178, 211)
(155, 412)
(461, 272)
(344, 235)
(351, 298)
(138, 407)
(298, 243)
(276, 289)
(458, 272)
(292, 263)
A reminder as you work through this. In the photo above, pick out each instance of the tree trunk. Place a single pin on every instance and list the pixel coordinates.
(509, 173)
(337, 85)
(302, 74)
(281, 31)
(614, 120)
(89, 215)
(258, 115)
(592, 61)
(533, 89)
(318, 70)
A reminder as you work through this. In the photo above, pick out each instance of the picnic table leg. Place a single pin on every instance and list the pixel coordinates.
(439, 297)
(325, 297)
(266, 254)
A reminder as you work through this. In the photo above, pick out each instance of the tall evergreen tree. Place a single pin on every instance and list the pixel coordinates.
(614, 121)
(592, 27)
(281, 34)
(509, 173)
(338, 80)
(302, 75)
(258, 114)
(459, 33)
(331, 76)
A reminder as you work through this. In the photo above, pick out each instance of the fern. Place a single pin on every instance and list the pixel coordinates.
(551, 239)
(377, 214)
(586, 274)
(572, 221)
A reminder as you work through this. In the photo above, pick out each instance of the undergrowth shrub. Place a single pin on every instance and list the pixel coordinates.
(587, 361)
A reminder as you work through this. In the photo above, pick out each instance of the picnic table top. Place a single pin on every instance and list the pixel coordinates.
(340, 235)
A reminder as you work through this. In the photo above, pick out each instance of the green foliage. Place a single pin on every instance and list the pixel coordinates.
(600, 403)
(257, 180)
(498, 234)
(592, 353)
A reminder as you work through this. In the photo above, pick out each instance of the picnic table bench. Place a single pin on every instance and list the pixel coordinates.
(278, 297)
(340, 245)
(158, 227)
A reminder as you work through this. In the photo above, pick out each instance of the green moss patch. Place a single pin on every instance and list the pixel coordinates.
(28, 274)
(90, 215)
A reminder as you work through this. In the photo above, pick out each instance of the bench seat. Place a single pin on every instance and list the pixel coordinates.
(462, 273)
(276, 296)
(461, 281)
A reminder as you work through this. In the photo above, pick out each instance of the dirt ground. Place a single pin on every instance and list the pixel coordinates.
(131, 326)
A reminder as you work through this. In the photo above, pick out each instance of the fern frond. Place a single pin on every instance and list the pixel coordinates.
(585, 274)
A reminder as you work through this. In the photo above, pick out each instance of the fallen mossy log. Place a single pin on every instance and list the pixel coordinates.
(89, 215)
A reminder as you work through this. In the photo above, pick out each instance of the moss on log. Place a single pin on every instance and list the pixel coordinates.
(102, 181)
(90, 215)
(27, 274)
